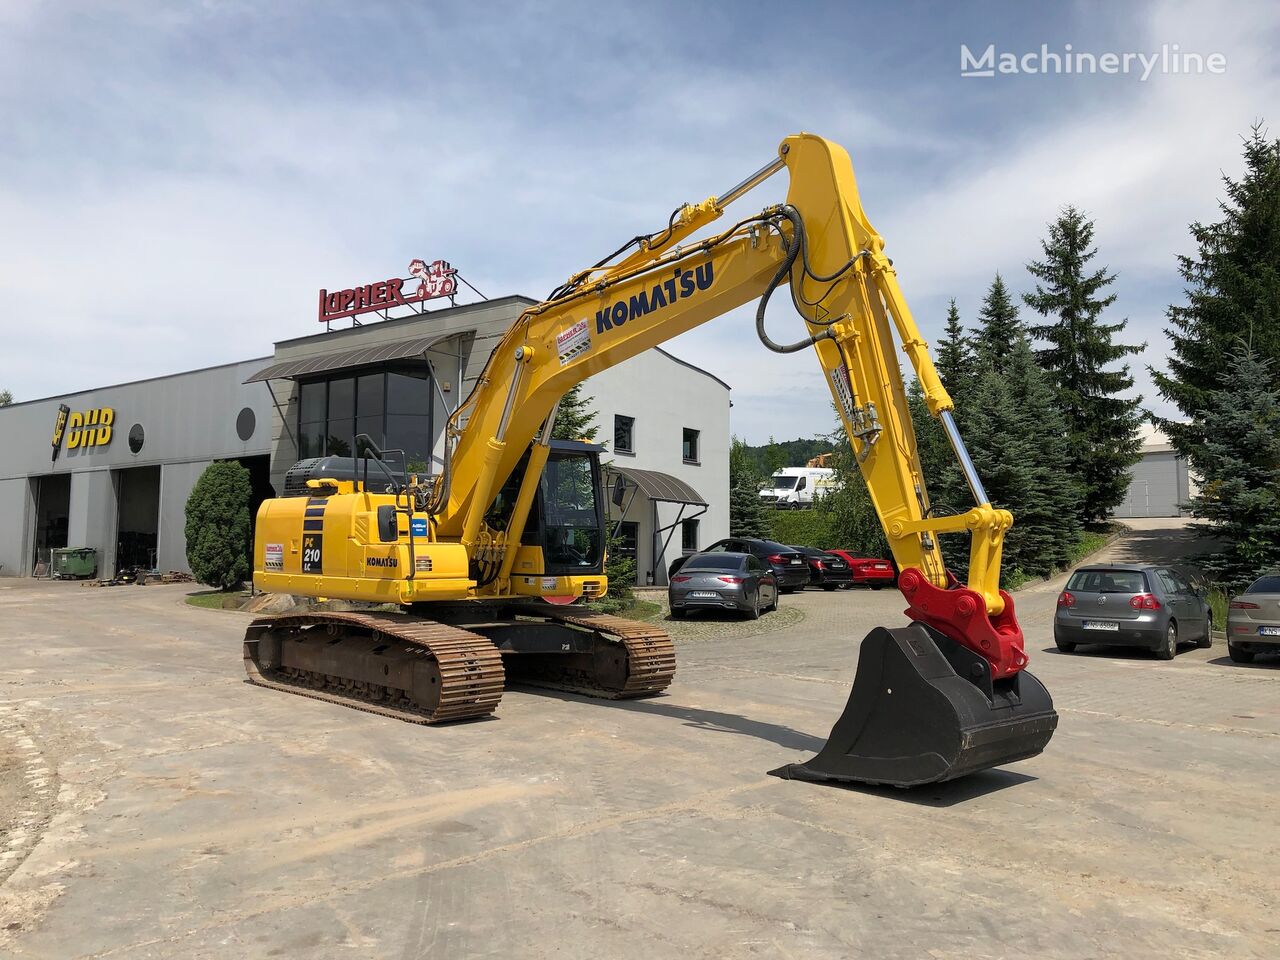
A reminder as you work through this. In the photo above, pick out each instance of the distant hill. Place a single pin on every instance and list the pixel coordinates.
(785, 453)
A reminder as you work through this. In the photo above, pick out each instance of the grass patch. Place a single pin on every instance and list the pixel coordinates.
(1218, 601)
(633, 609)
(216, 599)
(1090, 542)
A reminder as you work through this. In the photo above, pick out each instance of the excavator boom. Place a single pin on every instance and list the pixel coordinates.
(944, 696)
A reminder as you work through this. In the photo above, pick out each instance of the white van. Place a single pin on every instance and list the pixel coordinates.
(796, 487)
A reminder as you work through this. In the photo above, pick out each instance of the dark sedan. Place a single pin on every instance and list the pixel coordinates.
(723, 581)
(788, 565)
(826, 570)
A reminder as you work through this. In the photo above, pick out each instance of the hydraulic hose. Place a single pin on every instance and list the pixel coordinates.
(794, 245)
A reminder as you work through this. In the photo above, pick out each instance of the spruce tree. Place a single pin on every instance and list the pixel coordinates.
(746, 512)
(1239, 466)
(1233, 293)
(1102, 426)
(955, 355)
(999, 326)
(1017, 440)
(575, 419)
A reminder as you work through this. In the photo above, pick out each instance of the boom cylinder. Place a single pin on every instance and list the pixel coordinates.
(962, 454)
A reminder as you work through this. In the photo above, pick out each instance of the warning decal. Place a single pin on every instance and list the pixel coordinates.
(573, 342)
(273, 557)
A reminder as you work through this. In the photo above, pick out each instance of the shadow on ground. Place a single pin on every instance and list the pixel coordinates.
(931, 795)
(947, 794)
(710, 720)
(1161, 545)
(1262, 662)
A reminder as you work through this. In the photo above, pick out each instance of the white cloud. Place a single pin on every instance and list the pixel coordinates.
(184, 218)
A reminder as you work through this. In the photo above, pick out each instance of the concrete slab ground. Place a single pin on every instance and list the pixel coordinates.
(155, 805)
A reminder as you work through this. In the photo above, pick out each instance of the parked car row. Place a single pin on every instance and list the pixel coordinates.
(746, 575)
(1159, 607)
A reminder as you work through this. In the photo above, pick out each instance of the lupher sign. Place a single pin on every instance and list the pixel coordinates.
(82, 428)
(436, 279)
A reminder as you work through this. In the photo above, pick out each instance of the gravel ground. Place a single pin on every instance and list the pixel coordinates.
(723, 626)
(172, 810)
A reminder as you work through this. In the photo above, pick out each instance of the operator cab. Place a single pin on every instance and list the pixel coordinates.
(567, 518)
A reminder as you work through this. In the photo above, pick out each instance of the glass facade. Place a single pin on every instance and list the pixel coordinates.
(393, 407)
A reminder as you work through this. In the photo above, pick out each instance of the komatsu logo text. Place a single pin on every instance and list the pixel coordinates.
(383, 562)
(682, 284)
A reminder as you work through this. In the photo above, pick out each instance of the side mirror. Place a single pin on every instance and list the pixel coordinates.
(619, 493)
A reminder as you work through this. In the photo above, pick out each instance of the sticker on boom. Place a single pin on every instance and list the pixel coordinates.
(573, 342)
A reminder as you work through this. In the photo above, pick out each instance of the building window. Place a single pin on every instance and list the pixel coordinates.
(393, 408)
(689, 536)
(624, 434)
(690, 445)
(628, 539)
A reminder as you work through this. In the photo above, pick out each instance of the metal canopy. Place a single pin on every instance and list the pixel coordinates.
(660, 486)
(365, 356)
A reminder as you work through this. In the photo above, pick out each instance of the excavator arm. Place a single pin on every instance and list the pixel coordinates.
(821, 244)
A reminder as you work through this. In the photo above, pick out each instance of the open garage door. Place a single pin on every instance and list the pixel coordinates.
(52, 515)
(138, 518)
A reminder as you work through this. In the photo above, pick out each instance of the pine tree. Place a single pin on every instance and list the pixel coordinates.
(999, 326)
(1233, 293)
(575, 419)
(1239, 464)
(1017, 440)
(1102, 426)
(746, 513)
(6, 398)
(955, 355)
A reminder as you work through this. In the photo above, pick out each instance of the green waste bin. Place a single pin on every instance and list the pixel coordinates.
(75, 562)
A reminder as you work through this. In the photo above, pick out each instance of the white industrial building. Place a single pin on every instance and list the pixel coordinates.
(117, 475)
(1159, 484)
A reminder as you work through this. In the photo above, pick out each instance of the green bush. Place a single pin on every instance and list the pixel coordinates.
(219, 528)
(801, 528)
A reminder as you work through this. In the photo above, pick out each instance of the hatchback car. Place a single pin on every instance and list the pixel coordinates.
(870, 571)
(826, 570)
(1253, 620)
(788, 565)
(723, 581)
(1132, 606)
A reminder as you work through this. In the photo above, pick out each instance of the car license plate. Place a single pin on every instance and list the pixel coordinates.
(1101, 625)
(1269, 631)
(704, 594)
(795, 563)
(881, 566)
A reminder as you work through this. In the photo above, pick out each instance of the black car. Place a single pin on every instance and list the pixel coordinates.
(788, 564)
(826, 570)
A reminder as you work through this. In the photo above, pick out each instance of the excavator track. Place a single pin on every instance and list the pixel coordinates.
(390, 664)
(629, 658)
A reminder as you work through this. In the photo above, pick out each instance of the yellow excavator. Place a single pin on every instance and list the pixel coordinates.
(514, 519)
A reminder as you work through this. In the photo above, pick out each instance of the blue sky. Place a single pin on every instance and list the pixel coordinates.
(178, 180)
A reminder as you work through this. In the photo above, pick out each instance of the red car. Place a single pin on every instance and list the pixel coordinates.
(870, 571)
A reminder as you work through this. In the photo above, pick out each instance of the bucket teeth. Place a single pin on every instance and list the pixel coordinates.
(924, 709)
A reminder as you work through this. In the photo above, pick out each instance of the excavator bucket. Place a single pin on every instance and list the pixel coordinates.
(924, 709)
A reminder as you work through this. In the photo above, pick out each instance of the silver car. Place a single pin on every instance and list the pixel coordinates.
(1132, 606)
(723, 581)
(1253, 620)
